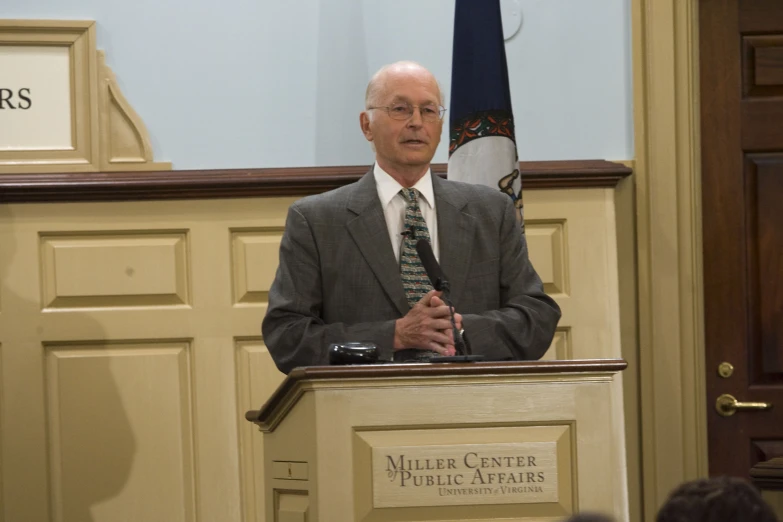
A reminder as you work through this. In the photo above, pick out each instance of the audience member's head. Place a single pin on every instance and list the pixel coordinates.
(719, 499)
(590, 517)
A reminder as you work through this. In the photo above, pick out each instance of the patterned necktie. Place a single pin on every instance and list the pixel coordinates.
(414, 277)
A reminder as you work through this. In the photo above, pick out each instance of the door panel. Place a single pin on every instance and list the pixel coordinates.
(768, 172)
(741, 61)
(761, 16)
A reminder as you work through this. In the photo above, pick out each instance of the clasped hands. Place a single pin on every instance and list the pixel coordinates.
(427, 326)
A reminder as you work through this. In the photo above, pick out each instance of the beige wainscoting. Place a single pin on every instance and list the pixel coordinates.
(130, 347)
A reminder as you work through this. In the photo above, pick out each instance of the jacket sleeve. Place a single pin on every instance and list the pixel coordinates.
(293, 329)
(524, 325)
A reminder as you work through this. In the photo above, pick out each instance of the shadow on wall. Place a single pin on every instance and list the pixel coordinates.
(63, 413)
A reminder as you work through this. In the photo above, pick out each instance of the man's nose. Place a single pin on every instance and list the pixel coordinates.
(415, 120)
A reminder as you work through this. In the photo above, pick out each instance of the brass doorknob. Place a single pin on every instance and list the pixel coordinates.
(727, 405)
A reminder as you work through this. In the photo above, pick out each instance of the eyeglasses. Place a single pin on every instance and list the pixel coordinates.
(403, 111)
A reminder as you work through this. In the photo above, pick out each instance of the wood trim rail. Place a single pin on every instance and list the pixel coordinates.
(261, 417)
(240, 183)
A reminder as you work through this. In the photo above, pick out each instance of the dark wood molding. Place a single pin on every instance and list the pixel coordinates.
(768, 474)
(360, 372)
(373, 371)
(240, 183)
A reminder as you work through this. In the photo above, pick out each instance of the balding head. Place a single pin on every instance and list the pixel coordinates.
(404, 141)
(376, 88)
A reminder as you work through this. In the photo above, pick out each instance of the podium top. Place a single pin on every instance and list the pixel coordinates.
(298, 376)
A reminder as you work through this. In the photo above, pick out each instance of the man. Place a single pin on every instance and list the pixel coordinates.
(349, 270)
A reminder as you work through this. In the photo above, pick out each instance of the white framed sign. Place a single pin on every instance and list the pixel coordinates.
(35, 98)
(48, 93)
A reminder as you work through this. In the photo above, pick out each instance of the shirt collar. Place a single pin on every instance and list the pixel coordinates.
(388, 187)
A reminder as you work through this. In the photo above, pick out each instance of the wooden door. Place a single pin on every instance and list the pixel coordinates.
(741, 62)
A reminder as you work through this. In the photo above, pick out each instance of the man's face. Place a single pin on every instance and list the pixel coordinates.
(401, 144)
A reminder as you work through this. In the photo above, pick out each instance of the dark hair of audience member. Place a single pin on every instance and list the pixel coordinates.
(719, 499)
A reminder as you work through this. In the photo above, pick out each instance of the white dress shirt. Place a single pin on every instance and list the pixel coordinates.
(393, 204)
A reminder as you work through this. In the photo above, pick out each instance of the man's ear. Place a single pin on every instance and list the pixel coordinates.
(364, 121)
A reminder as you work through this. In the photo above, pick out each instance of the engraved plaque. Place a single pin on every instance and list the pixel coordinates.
(465, 474)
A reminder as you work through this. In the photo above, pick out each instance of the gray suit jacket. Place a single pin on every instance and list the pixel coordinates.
(338, 279)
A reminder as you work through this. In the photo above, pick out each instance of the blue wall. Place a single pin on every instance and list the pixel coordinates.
(275, 83)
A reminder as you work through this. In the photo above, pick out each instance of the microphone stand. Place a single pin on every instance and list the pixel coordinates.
(459, 343)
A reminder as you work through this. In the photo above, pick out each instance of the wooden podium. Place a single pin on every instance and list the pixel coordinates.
(446, 442)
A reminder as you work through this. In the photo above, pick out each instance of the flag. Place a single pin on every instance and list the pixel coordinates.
(482, 145)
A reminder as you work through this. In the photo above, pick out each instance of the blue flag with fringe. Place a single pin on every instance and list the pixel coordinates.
(482, 145)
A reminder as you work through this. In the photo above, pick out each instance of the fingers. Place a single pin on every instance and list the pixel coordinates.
(436, 302)
(446, 350)
(427, 326)
(438, 311)
(426, 300)
(441, 324)
(441, 337)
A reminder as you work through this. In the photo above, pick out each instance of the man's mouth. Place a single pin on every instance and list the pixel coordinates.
(415, 142)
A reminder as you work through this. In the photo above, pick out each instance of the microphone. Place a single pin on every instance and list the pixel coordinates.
(431, 266)
(440, 283)
(408, 233)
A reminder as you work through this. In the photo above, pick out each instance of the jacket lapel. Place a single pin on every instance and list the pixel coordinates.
(368, 229)
(455, 234)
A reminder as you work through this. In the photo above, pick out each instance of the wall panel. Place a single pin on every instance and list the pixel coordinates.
(120, 430)
(131, 346)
